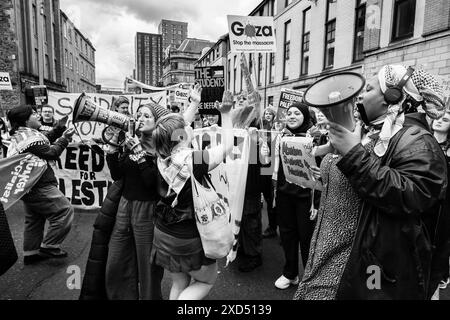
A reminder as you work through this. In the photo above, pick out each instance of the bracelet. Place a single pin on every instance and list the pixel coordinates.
(137, 156)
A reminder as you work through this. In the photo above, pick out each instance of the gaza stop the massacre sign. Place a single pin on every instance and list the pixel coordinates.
(251, 34)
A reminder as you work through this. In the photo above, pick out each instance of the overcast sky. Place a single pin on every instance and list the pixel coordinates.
(111, 25)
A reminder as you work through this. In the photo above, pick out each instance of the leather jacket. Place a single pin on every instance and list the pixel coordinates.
(402, 195)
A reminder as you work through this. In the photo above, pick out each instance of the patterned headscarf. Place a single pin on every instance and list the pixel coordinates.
(421, 86)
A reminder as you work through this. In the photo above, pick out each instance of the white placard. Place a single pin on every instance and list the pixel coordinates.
(5, 81)
(251, 34)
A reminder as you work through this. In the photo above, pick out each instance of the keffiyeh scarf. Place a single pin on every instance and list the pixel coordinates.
(175, 170)
(25, 138)
(421, 86)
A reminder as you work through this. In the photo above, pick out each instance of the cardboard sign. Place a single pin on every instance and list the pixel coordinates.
(18, 175)
(83, 176)
(5, 81)
(446, 90)
(297, 158)
(287, 98)
(251, 34)
(64, 102)
(212, 80)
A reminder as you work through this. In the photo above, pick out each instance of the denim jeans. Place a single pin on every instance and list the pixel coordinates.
(129, 273)
(41, 204)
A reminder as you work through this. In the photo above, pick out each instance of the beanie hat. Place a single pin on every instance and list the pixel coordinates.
(156, 110)
(18, 116)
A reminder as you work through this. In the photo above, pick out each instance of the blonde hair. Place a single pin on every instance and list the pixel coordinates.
(163, 134)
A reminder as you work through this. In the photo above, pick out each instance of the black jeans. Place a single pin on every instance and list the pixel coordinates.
(250, 235)
(267, 190)
(295, 226)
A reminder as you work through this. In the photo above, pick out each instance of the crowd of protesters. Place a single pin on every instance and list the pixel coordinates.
(385, 200)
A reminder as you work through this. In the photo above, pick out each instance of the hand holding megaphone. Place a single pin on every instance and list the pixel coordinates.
(68, 134)
(342, 139)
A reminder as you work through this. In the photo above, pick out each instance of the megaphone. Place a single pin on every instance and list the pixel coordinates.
(335, 96)
(86, 110)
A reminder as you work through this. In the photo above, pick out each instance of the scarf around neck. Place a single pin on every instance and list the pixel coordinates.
(25, 138)
(175, 170)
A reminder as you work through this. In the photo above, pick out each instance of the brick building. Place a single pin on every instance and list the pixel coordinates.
(79, 58)
(317, 38)
(173, 33)
(179, 63)
(149, 58)
(30, 35)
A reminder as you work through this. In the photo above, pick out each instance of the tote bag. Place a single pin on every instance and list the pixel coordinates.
(213, 219)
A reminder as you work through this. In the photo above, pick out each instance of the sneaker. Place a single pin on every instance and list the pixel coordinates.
(53, 252)
(250, 264)
(34, 258)
(444, 283)
(269, 233)
(284, 283)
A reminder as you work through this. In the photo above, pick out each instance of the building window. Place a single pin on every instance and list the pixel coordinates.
(270, 100)
(77, 65)
(250, 63)
(71, 61)
(305, 41)
(287, 45)
(45, 29)
(271, 68)
(330, 33)
(360, 18)
(68, 84)
(287, 3)
(272, 7)
(404, 15)
(260, 58)
(229, 74)
(66, 57)
(69, 31)
(65, 29)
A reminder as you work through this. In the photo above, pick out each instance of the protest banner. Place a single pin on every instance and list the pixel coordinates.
(5, 81)
(83, 176)
(251, 34)
(229, 178)
(297, 158)
(64, 102)
(137, 87)
(287, 98)
(18, 175)
(212, 80)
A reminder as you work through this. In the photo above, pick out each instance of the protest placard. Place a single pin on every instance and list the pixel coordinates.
(287, 98)
(297, 158)
(212, 80)
(83, 176)
(251, 34)
(5, 81)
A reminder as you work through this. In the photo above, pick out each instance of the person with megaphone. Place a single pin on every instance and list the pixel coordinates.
(129, 273)
(44, 201)
(384, 191)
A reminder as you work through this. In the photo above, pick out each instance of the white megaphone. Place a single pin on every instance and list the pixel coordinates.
(86, 110)
(335, 96)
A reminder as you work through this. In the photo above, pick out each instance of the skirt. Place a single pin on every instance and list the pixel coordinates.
(178, 255)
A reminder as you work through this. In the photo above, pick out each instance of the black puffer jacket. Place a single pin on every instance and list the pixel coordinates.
(402, 196)
(93, 287)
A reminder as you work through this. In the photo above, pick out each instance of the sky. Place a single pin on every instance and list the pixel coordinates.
(111, 26)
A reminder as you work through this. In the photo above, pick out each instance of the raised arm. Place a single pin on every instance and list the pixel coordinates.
(219, 153)
(195, 96)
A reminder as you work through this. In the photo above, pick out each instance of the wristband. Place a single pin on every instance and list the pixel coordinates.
(137, 156)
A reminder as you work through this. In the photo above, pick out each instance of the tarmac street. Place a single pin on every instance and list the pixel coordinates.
(56, 279)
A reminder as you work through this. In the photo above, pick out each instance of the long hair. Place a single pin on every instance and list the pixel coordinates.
(163, 135)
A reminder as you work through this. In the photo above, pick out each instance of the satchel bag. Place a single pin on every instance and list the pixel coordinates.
(8, 253)
(213, 219)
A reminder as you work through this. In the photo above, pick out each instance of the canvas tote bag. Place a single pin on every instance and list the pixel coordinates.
(213, 219)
